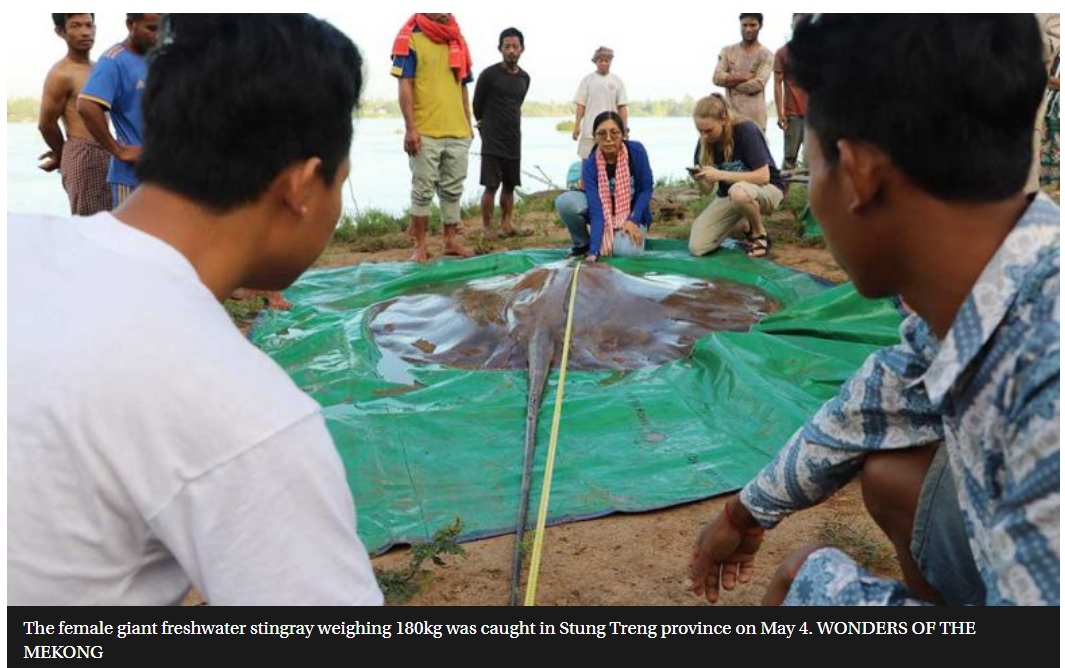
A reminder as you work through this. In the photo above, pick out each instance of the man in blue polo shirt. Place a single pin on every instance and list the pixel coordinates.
(115, 87)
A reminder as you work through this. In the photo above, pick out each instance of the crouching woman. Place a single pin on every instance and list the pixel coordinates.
(733, 154)
(613, 213)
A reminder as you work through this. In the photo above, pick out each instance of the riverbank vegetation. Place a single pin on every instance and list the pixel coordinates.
(26, 109)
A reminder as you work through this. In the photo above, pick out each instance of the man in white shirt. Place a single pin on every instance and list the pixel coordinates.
(599, 91)
(151, 447)
(743, 70)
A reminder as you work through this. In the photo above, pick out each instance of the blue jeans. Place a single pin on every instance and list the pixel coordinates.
(940, 543)
(572, 208)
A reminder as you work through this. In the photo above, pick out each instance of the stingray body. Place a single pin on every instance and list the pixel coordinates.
(621, 321)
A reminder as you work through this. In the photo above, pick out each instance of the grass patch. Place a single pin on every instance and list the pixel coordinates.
(539, 202)
(471, 209)
(244, 311)
(795, 199)
(674, 182)
(370, 223)
(671, 229)
(697, 206)
(866, 550)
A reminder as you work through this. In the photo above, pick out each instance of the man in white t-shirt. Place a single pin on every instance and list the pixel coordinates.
(598, 92)
(151, 447)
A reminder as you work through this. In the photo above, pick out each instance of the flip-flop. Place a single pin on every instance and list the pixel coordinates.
(758, 247)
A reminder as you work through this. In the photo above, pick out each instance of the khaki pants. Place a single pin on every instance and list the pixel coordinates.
(794, 134)
(440, 169)
(715, 223)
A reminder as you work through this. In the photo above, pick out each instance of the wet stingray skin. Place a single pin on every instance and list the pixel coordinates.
(621, 321)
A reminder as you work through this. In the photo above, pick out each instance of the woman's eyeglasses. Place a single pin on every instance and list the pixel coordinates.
(604, 134)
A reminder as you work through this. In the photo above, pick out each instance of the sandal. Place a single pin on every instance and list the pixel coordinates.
(758, 246)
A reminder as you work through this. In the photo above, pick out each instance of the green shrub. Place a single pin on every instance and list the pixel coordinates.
(795, 200)
(400, 585)
(370, 223)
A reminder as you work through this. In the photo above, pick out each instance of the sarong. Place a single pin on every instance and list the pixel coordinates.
(84, 169)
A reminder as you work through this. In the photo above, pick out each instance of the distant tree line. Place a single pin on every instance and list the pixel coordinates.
(389, 108)
(23, 109)
(26, 109)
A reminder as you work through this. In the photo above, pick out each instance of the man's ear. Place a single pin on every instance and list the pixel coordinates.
(864, 169)
(298, 185)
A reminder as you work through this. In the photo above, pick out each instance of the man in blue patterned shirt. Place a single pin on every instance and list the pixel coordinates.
(919, 143)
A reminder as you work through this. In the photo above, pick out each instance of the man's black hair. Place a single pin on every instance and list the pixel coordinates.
(233, 99)
(755, 16)
(60, 20)
(951, 98)
(511, 32)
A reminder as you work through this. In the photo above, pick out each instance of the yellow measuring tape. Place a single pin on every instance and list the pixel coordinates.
(541, 519)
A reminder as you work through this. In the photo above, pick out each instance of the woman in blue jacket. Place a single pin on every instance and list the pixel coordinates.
(613, 213)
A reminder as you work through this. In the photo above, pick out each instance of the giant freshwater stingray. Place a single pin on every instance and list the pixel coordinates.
(620, 322)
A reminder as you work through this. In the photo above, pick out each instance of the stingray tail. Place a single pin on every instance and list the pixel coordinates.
(541, 352)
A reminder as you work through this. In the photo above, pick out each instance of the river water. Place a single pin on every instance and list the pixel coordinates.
(380, 176)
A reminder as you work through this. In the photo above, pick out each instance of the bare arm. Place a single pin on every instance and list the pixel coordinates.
(480, 97)
(758, 177)
(757, 80)
(721, 74)
(92, 113)
(95, 118)
(623, 111)
(778, 98)
(577, 123)
(412, 139)
(53, 100)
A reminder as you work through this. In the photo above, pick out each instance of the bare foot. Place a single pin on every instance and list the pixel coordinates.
(455, 249)
(420, 255)
(276, 300)
(273, 298)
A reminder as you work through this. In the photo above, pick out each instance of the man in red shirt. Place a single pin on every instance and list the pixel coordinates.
(791, 104)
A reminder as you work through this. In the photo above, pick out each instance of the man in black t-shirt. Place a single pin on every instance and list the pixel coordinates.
(497, 101)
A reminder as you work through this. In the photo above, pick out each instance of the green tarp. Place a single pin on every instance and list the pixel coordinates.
(451, 443)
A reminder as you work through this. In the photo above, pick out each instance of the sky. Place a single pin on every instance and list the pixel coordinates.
(664, 49)
(655, 55)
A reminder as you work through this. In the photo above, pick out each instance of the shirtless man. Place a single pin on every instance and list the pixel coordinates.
(75, 154)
